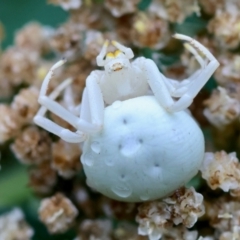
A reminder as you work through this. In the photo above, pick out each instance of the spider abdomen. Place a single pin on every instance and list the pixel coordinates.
(143, 152)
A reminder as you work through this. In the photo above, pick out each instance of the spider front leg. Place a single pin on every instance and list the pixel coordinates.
(94, 110)
(201, 78)
(178, 88)
(52, 127)
(161, 86)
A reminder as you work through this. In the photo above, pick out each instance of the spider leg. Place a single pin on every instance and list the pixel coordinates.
(48, 77)
(93, 105)
(178, 88)
(200, 80)
(127, 51)
(79, 123)
(162, 89)
(52, 127)
(192, 50)
(156, 82)
(100, 58)
(68, 101)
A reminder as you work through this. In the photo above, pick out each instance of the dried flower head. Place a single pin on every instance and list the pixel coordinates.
(174, 10)
(67, 4)
(34, 37)
(42, 178)
(92, 17)
(57, 213)
(25, 104)
(119, 210)
(229, 69)
(10, 124)
(95, 230)
(231, 235)
(221, 170)
(156, 218)
(32, 146)
(221, 109)
(6, 88)
(225, 27)
(67, 39)
(149, 30)
(211, 6)
(180, 232)
(14, 227)
(127, 231)
(65, 158)
(121, 7)
(18, 65)
(223, 214)
(186, 206)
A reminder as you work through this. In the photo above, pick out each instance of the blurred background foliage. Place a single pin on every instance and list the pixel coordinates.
(15, 13)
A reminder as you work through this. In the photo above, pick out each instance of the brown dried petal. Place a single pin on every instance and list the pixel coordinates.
(67, 39)
(174, 10)
(186, 206)
(34, 37)
(229, 69)
(127, 231)
(151, 31)
(221, 170)
(43, 178)
(25, 104)
(221, 108)
(66, 158)
(32, 146)
(153, 218)
(57, 213)
(225, 27)
(10, 123)
(95, 229)
(223, 214)
(14, 227)
(18, 65)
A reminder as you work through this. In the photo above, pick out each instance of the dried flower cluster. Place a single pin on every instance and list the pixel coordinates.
(95, 229)
(54, 170)
(58, 213)
(221, 170)
(14, 227)
(225, 27)
(224, 215)
(156, 218)
(221, 109)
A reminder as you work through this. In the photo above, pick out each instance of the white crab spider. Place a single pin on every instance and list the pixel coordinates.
(114, 146)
